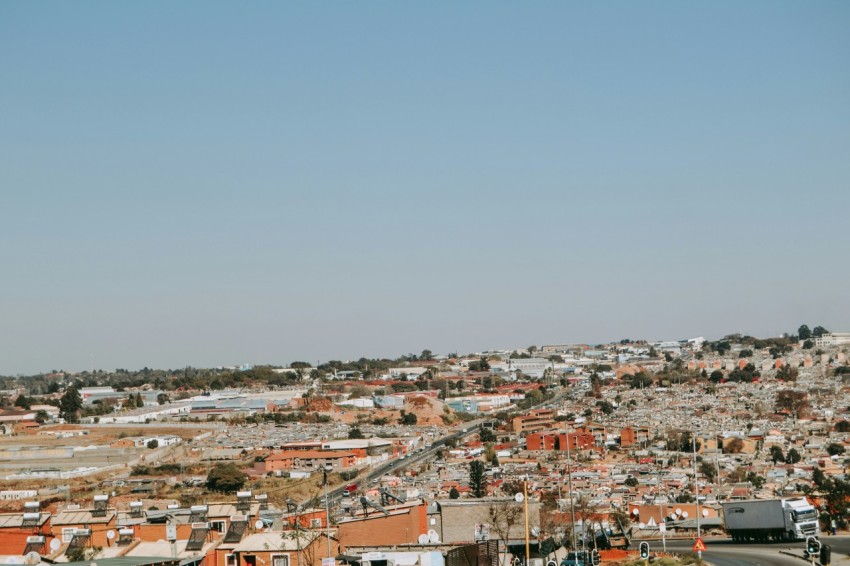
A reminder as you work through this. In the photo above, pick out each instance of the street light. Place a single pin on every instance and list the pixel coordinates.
(327, 469)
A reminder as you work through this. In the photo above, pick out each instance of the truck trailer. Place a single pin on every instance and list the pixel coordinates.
(761, 520)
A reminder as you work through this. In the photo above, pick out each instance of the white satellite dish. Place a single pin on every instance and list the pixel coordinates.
(55, 544)
(705, 512)
(433, 536)
(110, 534)
(258, 525)
(535, 531)
(678, 511)
(519, 498)
(423, 539)
(635, 511)
(685, 514)
(33, 558)
(641, 526)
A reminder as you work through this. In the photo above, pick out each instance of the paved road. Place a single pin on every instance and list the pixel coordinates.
(724, 552)
(462, 430)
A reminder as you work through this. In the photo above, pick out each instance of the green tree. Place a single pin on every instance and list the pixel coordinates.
(716, 376)
(454, 493)
(834, 449)
(226, 478)
(804, 333)
(477, 482)
(631, 481)
(756, 480)
(355, 432)
(819, 331)
(71, 404)
(842, 426)
(408, 418)
(162, 398)
(153, 443)
(486, 435)
(708, 470)
(792, 457)
(776, 454)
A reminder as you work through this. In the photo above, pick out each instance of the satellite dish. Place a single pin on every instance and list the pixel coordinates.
(423, 539)
(705, 512)
(535, 531)
(641, 525)
(685, 514)
(55, 544)
(258, 525)
(33, 558)
(678, 511)
(635, 511)
(433, 536)
(110, 534)
(519, 498)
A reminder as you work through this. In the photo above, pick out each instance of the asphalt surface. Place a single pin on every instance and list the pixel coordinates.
(724, 552)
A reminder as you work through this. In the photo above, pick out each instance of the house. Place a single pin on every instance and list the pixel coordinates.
(280, 548)
(315, 460)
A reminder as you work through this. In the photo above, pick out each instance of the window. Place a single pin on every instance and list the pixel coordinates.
(230, 560)
(217, 526)
(68, 534)
(280, 560)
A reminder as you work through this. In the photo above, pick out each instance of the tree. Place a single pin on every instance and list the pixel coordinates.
(631, 481)
(745, 353)
(716, 376)
(503, 516)
(408, 419)
(794, 402)
(22, 402)
(792, 457)
(70, 405)
(804, 333)
(454, 493)
(734, 446)
(486, 435)
(153, 443)
(355, 432)
(162, 398)
(426, 355)
(708, 470)
(477, 481)
(776, 454)
(226, 478)
(842, 426)
(834, 449)
(819, 331)
(756, 480)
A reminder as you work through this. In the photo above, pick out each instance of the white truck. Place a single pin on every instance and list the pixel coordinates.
(761, 520)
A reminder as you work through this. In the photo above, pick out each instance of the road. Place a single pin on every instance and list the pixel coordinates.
(462, 431)
(723, 552)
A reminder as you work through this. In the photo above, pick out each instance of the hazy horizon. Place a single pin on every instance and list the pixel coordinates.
(206, 183)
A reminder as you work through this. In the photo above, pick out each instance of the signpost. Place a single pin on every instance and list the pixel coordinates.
(699, 545)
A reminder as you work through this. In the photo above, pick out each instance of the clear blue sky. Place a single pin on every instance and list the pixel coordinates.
(205, 183)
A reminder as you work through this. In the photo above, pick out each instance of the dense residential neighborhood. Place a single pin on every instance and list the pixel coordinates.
(529, 453)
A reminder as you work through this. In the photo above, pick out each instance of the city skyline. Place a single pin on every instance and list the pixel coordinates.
(201, 184)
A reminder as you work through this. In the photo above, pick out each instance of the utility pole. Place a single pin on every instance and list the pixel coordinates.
(525, 502)
(696, 488)
(570, 485)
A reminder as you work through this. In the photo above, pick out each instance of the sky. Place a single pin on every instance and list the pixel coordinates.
(213, 183)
